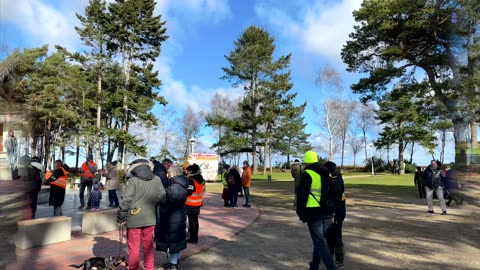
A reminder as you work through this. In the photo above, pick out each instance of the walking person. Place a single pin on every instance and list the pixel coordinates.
(310, 210)
(434, 181)
(452, 187)
(418, 181)
(195, 191)
(57, 180)
(10, 143)
(88, 170)
(334, 233)
(171, 227)
(142, 192)
(296, 171)
(112, 183)
(246, 181)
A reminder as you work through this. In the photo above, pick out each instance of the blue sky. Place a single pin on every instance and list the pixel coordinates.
(201, 33)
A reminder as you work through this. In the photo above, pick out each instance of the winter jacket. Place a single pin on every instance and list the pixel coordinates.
(142, 192)
(451, 180)
(171, 225)
(160, 171)
(247, 176)
(433, 178)
(236, 187)
(305, 213)
(342, 211)
(297, 170)
(112, 178)
(57, 194)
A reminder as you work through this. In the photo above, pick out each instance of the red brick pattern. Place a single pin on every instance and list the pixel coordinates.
(217, 223)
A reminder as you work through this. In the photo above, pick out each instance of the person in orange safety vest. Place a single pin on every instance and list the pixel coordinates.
(57, 180)
(89, 168)
(195, 191)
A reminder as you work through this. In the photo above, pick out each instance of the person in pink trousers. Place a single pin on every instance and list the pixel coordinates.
(144, 190)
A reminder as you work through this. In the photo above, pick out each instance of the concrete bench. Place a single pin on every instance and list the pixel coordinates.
(100, 221)
(43, 231)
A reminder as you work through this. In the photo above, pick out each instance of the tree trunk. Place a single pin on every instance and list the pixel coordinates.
(99, 114)
(365, 144)
(265, 158)
(77, 150)
(411, 152)
(460, 129)
(270, 159)
(401, 165)
(474, 131)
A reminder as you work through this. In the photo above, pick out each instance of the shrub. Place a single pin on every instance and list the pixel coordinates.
(409, 168)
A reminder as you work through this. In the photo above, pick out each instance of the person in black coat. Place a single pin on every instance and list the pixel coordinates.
(171, 225)
(57, 188)
(234, 181)
(160, 169)
(334, 233)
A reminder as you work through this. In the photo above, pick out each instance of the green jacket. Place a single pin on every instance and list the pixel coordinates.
(143, 191)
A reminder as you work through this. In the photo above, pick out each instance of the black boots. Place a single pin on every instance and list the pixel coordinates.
(339, 255)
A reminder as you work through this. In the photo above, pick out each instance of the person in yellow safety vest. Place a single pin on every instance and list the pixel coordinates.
(195, 191)
(310, 210)
(58, 182)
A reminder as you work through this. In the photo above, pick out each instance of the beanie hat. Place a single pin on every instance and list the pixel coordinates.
(194, 168)
(310, 157)
(331, 166)
(185, 165)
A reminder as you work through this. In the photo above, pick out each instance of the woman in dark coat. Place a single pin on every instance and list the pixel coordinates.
(171, 234)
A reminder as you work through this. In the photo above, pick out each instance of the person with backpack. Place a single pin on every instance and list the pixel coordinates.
(334, 233)
(296, 171)
(312, 200)
(170, 230)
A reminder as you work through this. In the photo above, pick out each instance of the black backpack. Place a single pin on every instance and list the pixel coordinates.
(331, 193)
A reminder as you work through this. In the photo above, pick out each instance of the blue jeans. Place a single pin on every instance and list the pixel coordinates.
(246, 190)
(317, 230)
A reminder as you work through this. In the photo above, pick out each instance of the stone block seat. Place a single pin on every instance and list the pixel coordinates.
(43, 231)
(100, 221)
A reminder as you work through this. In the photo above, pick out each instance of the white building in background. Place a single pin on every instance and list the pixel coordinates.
(207, 162)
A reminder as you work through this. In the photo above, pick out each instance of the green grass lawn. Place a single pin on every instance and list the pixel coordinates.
(356, 180)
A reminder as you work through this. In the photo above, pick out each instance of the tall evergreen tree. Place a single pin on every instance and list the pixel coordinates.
(94, 34)
(252, 65)
(136, 35)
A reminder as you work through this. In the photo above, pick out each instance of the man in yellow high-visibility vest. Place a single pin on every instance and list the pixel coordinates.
(310, 210)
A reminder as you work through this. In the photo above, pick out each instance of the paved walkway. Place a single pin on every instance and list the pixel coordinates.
(217, 223)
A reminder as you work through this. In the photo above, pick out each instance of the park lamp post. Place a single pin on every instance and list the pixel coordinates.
(192, 144)
(371, 157)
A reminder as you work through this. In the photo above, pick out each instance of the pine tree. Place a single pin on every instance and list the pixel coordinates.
(252, 65)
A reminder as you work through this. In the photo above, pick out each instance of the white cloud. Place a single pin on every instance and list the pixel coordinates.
(322, 28)
(41, 21)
